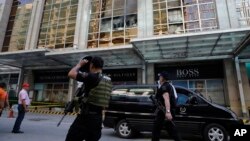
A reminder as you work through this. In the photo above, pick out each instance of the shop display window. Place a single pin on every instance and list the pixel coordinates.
(211, 89)
(54, 92)
(11, 81)
(180, 83)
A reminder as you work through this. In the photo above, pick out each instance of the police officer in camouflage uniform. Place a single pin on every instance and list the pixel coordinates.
(88, 124)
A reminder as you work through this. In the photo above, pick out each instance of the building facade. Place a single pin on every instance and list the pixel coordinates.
(203, 44)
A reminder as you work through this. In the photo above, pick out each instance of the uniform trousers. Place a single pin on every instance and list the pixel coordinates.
(87, 126)
(159, 122)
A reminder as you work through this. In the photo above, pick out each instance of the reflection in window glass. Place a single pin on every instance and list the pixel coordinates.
(15, 37)
(114, 21)
(58, 24)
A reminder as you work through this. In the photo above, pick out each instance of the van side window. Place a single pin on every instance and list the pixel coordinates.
(182, 99)
(119, 94)
(183, 96)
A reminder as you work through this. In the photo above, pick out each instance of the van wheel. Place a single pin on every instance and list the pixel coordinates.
(215, 132)
(123, 130)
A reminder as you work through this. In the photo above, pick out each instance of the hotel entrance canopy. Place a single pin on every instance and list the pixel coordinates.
(116, 57)
(218, 44)
(26, 58)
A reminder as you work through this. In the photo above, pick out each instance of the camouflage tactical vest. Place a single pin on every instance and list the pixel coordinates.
(100, 95)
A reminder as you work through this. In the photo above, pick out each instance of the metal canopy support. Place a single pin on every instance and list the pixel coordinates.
(211, 53)
(144, 73)
(242, 98)
(242, 45)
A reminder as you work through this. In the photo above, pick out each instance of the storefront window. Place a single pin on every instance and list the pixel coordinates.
(215, 91)
(112, 22)
(198, 77)
(19, 21)
(181, 83)
(182, 16)
(210, 89)
(51, 86)
(11, 81)
(51, 92)
(58, 24)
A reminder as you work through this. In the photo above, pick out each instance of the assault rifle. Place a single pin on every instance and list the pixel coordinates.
(158, 104)
(70, 105)
(159, 107)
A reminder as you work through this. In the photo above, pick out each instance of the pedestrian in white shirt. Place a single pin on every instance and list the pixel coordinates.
(23, 103)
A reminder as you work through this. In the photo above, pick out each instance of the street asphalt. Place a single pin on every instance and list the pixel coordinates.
(43, 127)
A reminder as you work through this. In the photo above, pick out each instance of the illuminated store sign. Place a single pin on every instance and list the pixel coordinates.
(183, 73)
(196, 71)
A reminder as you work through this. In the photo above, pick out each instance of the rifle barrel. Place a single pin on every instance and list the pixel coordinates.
(61, 119)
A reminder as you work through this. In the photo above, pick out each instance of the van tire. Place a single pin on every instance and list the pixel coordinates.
(215, 132)
(123, 129)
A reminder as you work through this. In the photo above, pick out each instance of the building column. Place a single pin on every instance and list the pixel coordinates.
(139, 75)
(222, 14)
(150, 74)
(145, 18)
(232, 12)
(240, 87)
(35, 24)
(245, 85)
(231, 87)
(5, 8)
(82, 24)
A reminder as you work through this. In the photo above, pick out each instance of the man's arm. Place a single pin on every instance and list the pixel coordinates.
(167, 105)
(24, 105)
(74, 71)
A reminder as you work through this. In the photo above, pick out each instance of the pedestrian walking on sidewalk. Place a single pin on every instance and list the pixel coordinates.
(23, 103)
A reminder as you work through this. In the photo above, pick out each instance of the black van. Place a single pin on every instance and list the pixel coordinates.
(131, 111)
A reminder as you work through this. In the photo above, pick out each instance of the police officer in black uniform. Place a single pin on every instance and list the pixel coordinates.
(165, 95)
(88, 124)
